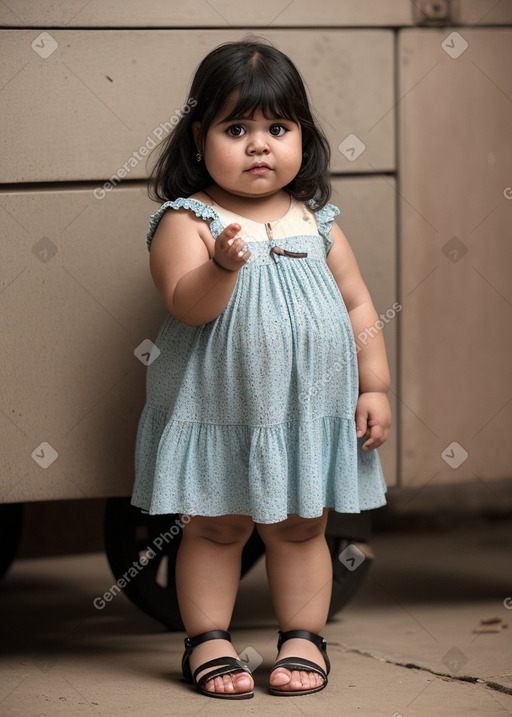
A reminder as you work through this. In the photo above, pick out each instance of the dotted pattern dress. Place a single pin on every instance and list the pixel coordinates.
(253, 413)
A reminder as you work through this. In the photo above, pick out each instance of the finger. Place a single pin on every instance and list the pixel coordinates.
(238, 248)
(228, 233)
(241, 252)
(376, 438)
(370, 443)
(361, 424)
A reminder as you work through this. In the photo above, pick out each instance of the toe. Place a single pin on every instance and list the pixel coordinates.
(280, 677)
(309, 680)
(287, 680)
(227, 684)
(210, 686)
(242, 682)
(230, 683)
(297, 681)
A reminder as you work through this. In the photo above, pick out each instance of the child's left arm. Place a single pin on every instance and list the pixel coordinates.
(373, 413)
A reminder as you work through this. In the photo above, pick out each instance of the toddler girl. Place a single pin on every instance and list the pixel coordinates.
(261, 409)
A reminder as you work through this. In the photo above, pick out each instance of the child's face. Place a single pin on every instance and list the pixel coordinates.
(233, 148)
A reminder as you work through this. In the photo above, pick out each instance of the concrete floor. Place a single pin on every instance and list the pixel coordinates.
(403, 647)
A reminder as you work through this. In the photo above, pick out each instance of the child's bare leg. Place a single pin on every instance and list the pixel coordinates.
(207, 578)
(299, 570)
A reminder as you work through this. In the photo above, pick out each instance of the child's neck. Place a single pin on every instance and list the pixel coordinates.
(259, 209)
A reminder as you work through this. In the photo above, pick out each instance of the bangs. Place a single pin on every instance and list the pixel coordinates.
(266, 94)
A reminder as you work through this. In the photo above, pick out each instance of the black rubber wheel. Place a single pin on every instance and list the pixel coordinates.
(347, 536)
(141, 550)
(11, 523)
(348, 573)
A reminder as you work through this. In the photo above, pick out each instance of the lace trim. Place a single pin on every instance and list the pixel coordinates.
(202, 211)
(324, 216)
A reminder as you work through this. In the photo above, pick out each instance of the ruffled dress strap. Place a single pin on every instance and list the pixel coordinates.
(324, 219)
(202, 211)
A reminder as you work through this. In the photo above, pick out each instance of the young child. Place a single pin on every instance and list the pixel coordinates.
(261, 409)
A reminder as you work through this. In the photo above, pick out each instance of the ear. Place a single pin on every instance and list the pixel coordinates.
(196, 128)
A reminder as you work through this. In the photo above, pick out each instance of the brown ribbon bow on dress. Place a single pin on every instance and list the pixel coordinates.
(285, 252)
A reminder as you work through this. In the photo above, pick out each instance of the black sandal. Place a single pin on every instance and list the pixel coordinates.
(230, 665)
(299, 663)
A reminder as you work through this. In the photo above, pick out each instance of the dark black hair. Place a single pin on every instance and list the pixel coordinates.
(267, 80)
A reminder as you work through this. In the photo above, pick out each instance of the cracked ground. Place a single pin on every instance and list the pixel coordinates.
(409, 644)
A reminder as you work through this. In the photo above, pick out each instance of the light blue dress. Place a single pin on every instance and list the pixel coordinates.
(253, 412)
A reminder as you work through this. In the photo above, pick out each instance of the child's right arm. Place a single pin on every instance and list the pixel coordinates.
(195, 288)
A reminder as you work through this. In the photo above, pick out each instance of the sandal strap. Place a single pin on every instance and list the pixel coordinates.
(300, 663)
(229, 665)
(205, 636)
(319, 641)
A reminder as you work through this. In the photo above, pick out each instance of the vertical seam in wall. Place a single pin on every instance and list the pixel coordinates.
(398, 247)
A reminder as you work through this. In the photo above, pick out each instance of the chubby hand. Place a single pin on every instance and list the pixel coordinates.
(373, 418)
(228, 245)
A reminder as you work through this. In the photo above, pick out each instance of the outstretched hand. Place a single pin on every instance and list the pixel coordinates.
(373, 418)
(229, 249)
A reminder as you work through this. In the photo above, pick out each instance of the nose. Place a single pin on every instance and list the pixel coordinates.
(258, 144)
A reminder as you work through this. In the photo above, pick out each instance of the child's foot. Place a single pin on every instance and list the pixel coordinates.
(284, 679)
(234, 682)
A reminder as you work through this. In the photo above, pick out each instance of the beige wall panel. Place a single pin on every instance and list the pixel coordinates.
(368, 209)
(203, 13)
(84, 111)
(482, 12)
(77, 298)
(456, 154)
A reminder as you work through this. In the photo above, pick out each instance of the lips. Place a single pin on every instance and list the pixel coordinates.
(259, 168)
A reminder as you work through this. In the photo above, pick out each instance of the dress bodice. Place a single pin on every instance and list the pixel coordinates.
(298, 220)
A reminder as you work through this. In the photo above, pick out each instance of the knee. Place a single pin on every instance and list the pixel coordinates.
(293, 530)
(225, 530)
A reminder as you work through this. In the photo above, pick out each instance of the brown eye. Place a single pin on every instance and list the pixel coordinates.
(277, 130)
(235, 130)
